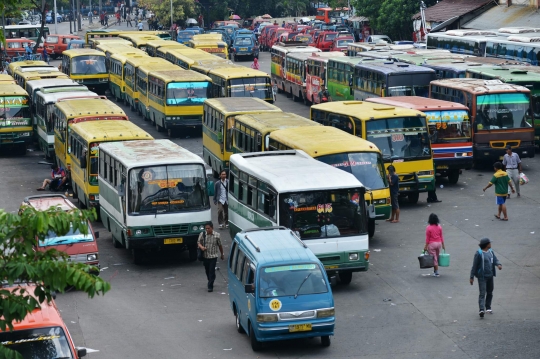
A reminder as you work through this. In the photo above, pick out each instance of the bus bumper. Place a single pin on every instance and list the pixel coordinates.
(173, 122)
(418, 184)
(341, 261)
(442, 165)
(19, 137)
(485, 154)
(187, 241)
(382, 211)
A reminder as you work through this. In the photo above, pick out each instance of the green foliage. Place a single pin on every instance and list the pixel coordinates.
(292, 7)
(391, 17)
(50, 270)
(162, 9)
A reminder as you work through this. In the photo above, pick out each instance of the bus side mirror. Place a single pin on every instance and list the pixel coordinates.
(81, 352)
(82, 161)
(121, 190)
(210, 188)
(96, 234)
(249, 288)
(371, 211)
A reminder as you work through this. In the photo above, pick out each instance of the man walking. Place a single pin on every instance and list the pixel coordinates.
(90, 17)
(501, 181)
(209, 242)
(221, 199)
(483, 268)
(393, 179)
(129, 18)
(512, 162)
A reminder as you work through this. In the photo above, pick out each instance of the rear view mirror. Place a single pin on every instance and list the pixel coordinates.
(121, 190)
(82, 161)
(371, 211)
(96, 234)
(249, 288)
(81, 352)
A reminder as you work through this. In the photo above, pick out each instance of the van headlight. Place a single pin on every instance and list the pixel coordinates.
(325, 313)
(353, 256)
(91, 257)
(265, 318)
(138, 232)
(425, 173)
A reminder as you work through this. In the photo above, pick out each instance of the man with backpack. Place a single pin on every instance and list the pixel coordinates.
(483, 268)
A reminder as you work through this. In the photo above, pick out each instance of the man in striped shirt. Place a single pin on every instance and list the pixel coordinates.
(209, 242)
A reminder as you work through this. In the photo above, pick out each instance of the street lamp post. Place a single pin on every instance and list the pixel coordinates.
(55, 18)
(171, 15)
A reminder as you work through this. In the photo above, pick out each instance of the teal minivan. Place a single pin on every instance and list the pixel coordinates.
(278, 288)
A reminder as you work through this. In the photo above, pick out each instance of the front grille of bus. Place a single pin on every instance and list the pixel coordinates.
(407, 178)
(330, 259)
(172, 229)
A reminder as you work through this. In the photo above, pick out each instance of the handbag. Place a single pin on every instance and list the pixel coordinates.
(426, 260)
(200, 252)
(444, 259)
(523, 179)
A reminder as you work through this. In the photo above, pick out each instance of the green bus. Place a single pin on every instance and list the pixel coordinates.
(527, 76)
(340, 75)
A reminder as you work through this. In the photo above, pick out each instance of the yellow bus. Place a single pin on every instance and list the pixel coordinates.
(117, 75)
(344, 151)
(251, 132)
(88, 67)
(70, 111)
(102, 34)
(141, 82)
(206, 37)
(22, 76)
(109, 41)
(214, 47)
(176, 98)
(241, 82)
(153, 46)
(15, 121)
(187, 57)
(131, 94)
(7, 79)
(205, 66)
(26, 64)
(400, 134)
(139, 40)
(84, 139)
(218, 124)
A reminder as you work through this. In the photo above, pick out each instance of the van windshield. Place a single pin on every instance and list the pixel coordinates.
(73, 236)
(291, 279)
(39, 343)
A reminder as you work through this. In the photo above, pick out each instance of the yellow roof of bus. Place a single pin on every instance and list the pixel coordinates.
(8, 89)
(322, 141)
(6, 78)
(110, 40)
(184, 51)
(137, 61)
(237, 72)
(157, 64)
(240, 105)
(164, 43)
(265, 122)
(142, 39)
(208, 67)
(123, 57)
(365, 110)
(27, 63)
(104, 131)
(89, 107)
(82, 52)
(208, 42)
(115, 48)
(34, 75)
(179, 75)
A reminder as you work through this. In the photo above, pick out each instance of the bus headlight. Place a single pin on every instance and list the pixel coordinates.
(91, 257)
(138, 232)
(353, 256)
(262, 318)
(103, 80)
(24, 134)
(325, 313)
(425, 173)
(195, 228)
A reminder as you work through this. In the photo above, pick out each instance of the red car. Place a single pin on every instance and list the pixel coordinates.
(275, 36)
(340, 43)
(308, 40)
(325, 39)
(16, 47)
(56, 44)
(264, 35)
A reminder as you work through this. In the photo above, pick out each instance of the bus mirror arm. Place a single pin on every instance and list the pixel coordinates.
(82, 160)
(249, 288)
(121, 190)
(371, 207)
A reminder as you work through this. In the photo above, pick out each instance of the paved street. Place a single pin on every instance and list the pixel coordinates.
(395, 310)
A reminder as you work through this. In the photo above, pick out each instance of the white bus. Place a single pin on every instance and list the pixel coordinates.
(43, 110)
(153, 196)
(324, 205)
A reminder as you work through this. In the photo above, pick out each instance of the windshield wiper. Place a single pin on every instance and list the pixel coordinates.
(301, 284)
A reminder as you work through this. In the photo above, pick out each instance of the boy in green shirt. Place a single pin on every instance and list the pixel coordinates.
(501, 181)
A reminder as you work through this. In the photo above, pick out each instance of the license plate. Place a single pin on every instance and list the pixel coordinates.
(300, 328)
(7, 141)
(442, 167)
(243, 49)
(173, 241)
(330, 267)
(405, 188)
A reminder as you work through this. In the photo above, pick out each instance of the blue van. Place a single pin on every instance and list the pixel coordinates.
(278, 289)
(244, 46)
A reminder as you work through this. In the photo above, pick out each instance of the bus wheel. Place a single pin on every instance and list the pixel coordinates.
(171, 132)
(255, 344)
(294, 97)
(192, 254)
(413, 197)
(371, 227)
(345, 277)
(158, 127)
(453, 176)
(306, 101)
(138, 255)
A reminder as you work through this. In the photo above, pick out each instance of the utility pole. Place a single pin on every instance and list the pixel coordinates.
(423, 20)
(171, 15)
(79, 14)
(55, 18)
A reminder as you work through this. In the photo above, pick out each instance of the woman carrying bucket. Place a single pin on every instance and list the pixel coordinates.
(434, 241)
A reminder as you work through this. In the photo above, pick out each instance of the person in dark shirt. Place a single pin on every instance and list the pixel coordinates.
(393, 179)
(483, 268)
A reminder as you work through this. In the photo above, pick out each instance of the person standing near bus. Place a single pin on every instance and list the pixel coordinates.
(209, 242)
(512, 162)
(140, 25)
(221, 199)
(393, 179)
(45, 55)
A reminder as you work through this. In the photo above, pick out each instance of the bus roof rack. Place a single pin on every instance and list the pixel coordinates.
(470, 33)
(524, 38)
(291, 43)
(253, 244)
(298, 239)
(518, 29)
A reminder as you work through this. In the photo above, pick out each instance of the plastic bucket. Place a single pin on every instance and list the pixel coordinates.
(444, 259)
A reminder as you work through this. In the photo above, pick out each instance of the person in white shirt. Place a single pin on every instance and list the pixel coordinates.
(512, 162)
(221, 199)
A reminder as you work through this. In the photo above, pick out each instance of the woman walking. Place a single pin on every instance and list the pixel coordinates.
(434, 241)
(255, 64)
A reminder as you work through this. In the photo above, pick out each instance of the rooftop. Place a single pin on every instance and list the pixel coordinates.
(447, 9)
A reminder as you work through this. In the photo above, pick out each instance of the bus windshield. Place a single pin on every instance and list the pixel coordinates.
(400, 138)
(322, 214)
(39, 343)
(258, 87)
(409, 84)
(14, 111)
(291, 280)
(502, 111)
(167, 189)
(448, 126)
(366, 166)
(88, 65)
(186, 93)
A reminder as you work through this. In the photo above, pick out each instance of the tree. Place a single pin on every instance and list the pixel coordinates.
(162, 9)
(292, 7)
(50, 271)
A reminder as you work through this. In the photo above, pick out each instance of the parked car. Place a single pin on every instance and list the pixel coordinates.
(50, 20)
(307, 39)
(184, 36)
(265, 33)
(15, 47)
(378, 38)
(244, 46)
(325, 39)
(77, 44)
(57, 44)
(340, 43)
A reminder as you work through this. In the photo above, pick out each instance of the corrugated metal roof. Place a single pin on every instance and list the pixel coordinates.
(447, 9)
(503, 16)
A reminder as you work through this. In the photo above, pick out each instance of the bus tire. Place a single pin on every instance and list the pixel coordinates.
(345, 277)
(413, 197)
(138, 255)
(453, 176)
(371, 228)
(171, 132)
(158, 127)
(306, 101)
(255, 344)
(325, 341)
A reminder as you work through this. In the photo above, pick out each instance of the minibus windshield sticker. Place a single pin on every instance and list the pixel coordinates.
(40, 338)
(326, 208)
(289, 268)
(302, 209)
(171, 183)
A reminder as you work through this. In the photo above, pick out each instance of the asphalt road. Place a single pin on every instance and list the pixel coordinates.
(395, 310)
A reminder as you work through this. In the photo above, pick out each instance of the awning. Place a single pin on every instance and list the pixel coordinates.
(503, 16)
(358, 19)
